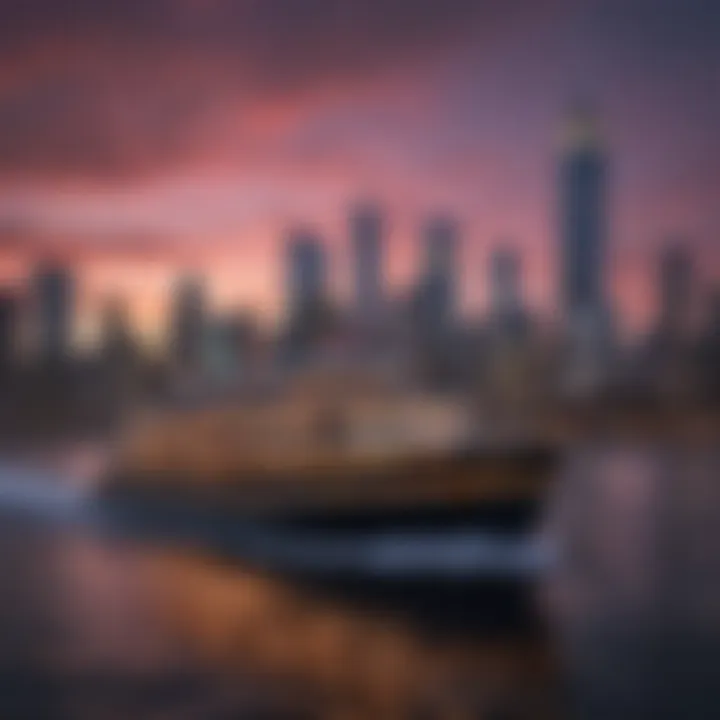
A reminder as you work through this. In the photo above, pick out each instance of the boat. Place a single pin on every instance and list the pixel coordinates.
(354, 461)
(389, 498)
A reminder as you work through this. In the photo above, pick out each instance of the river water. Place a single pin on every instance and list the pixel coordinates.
(97, 624)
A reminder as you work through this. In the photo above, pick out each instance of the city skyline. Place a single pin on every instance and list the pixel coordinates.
(439, 246)
(202, 150)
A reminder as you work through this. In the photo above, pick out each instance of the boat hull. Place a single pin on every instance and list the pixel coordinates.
(496, 489)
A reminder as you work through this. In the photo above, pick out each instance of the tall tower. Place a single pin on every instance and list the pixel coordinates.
(583, 303)
(188, 324)
(306, 289)
(55, 302)
(508, 369)
(582, 188)
(9, 327)
(366, 230)
(308, 312)
(117, 338)
(675, 284)
(672, 358)
(505, 295)
(439, 279)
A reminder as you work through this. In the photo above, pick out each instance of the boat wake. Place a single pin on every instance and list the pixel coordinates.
(444, 553)
(40, 492)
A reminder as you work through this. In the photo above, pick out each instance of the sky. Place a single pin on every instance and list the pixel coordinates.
(140, 139)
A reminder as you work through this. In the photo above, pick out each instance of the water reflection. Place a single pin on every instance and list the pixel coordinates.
(347, 659)
(101, 628)
(108, 625)
(636, 598)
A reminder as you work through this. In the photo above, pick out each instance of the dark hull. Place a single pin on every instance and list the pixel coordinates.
(410, 541)
(349, 561)
(499, 489)
(480, 606)
(509, 515)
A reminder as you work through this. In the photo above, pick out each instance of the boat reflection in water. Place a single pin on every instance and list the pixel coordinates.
(102, 626)
(106, 626)
(635, 596)
(393, 566)
(336, 659)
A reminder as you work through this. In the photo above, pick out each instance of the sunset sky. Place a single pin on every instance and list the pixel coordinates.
(139, 138)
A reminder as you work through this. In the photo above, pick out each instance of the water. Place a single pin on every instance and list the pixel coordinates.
(98, 624)
(635, 601)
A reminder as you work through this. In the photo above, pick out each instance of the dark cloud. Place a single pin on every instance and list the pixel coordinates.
(109, 88)
(280, 34)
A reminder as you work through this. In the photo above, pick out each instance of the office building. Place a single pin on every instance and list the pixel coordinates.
(675, 292)
(584, 224)
(438, 284)
(9, 327)
(584, 307)
(54, 298)
(505, 303)
(366, 231)
(306, 282)
(187, 332)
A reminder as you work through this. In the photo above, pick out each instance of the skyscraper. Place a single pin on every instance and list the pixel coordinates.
(120, 379)
(306, 274)
(439, 282)
(507, 311)
(8, 331)
(507, 365)
(504, 283)
(187, 333)
(713, 314)
(308, 311)
(582, 181)
(584, 306)
(434, 340)
(366, 229)
(54, 295)
(670, 359)
(675, 284)
(709, 360)
(118, 344)
(231, 343)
